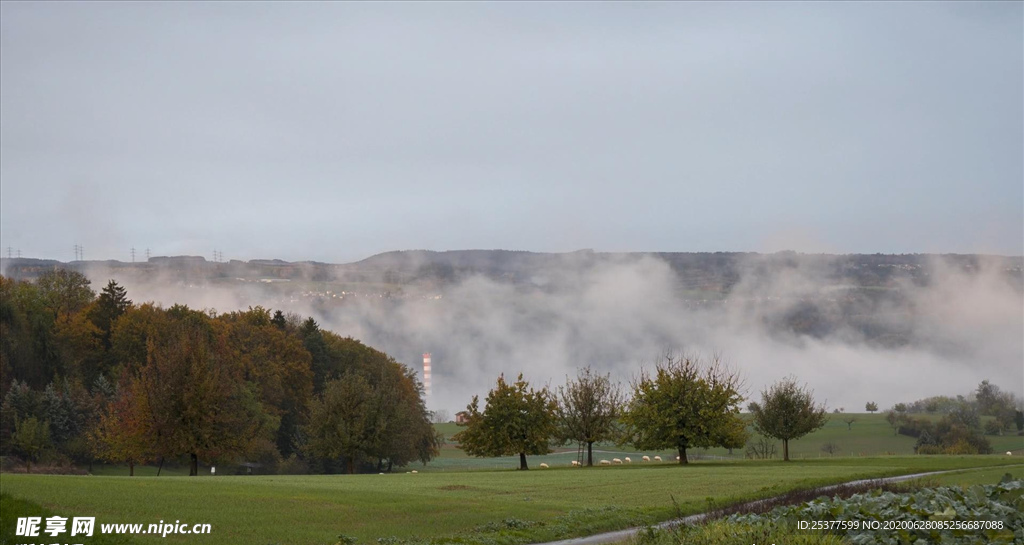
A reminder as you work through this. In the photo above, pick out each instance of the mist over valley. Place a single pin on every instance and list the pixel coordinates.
(856, 328)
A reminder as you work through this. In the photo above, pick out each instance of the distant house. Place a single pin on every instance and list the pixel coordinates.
(462, 418)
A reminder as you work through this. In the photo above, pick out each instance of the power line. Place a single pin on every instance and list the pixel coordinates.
(147, 255)
(8, 252)
(133, 254)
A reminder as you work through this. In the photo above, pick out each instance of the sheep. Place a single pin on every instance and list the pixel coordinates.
(574, 463)
(657, 458)
(605, 463)
(647, 458)
(414, 472)
(1008, 453)
(628, 461)
(543, 465)
(677, 458)
(616, 461)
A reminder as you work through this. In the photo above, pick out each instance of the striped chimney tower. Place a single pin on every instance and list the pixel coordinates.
(426, 373)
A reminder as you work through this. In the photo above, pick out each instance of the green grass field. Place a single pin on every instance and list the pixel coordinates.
(569, 502)
(870, 435)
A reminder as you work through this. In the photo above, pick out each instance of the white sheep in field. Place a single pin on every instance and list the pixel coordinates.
(628, 461)
(657, 458)
(574, 463)
(677, 458)
(647, 458)
(414, 472)
(1008, 453)
(543, 465)
(605, 463)
(616, 461)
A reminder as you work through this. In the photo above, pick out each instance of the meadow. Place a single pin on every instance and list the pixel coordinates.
(484, 506)
(870, 435)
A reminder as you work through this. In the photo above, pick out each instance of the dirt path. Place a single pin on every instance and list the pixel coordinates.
(622, 535)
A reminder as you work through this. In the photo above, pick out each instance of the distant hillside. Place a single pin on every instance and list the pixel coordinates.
(713, 272)
(816, 295)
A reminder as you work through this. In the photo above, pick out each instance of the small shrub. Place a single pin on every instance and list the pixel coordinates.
(293, 466)
(961, 447)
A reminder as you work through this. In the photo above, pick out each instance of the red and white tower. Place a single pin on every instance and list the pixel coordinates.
(426, 373)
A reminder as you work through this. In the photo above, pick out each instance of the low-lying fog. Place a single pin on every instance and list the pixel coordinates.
(619, 316)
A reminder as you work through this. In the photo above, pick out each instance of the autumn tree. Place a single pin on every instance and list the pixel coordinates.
(787, 411)
(30, 440)
(401, 429)
(373, 414)
(78, 346)
(516, 420)
(685, 404)
(339, 425)
(28, 350)
(277, 364)
(131, 335)
(65, 292)
(588, 410)
(992, 401)
(871, 406)
(123, 433)
(199, 404)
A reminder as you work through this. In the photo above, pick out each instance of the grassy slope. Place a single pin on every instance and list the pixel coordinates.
(315, 509)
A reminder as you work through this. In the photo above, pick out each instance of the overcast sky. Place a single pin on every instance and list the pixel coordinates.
(333, 131)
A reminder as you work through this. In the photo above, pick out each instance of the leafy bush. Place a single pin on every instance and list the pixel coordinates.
(1002, 504)
(729, 533)
(293, 465)
(511, 523)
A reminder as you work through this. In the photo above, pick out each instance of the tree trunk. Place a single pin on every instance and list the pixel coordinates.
(590, 454)
(390, 463)
(785, 450)
(131, 469)
(28, 466)
(380, 464)
(682, 456)
(351, 466)
(193, 466)
(160, 467)
(522, 461)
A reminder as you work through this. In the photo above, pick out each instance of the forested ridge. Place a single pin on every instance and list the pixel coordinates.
(96, 377)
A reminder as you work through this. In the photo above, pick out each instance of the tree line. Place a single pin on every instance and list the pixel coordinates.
(959, 428)
(684, 403)
(99, 378)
